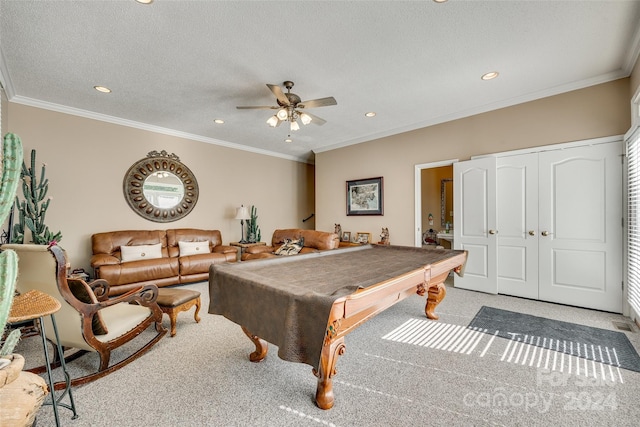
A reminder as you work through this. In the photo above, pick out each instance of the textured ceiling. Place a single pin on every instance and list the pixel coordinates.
(174, 66)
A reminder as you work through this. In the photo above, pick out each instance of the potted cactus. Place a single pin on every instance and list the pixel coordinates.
(11, 161)
(253, 232)
(21, 393)
(33, 209)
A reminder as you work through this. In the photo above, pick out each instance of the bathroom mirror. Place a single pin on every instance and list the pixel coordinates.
(446, 202)
(160, 188)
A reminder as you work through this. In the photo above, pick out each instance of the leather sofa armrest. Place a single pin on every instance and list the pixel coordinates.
(224, 249)
(98, 260)
(259, 249)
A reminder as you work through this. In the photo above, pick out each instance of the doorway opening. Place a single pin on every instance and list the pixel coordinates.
(434, 203)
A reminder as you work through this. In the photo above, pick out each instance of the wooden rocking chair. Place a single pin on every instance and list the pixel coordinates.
(89, 319)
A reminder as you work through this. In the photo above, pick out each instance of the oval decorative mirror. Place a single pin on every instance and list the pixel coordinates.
(160, 188)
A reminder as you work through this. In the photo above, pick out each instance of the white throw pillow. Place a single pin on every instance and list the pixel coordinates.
(138, 252)
(193, 248)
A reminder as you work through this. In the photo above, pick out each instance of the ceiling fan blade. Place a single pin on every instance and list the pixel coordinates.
(263, 107)
(279, 94)
(315, 119)
(321, 102)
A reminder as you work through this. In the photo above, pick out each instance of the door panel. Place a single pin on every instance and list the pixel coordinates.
(474, 193)
(517, 221)
(580, 243)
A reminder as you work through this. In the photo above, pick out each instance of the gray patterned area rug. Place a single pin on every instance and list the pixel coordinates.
(600, 345)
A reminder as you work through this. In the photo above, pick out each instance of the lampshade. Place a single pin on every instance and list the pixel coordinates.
(295, 126)
(242, 213)
(272, 121)
(305, 118)
(282, 114)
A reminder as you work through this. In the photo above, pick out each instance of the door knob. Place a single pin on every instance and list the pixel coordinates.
(493, 231)
(545, 233)
(532, 233)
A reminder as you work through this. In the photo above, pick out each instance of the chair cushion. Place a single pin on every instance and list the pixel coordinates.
(290, 247)
(193, 248)
(137, 252)
(122, 318)
(83, 293)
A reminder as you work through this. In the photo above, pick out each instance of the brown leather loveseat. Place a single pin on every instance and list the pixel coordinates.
(130, 258)
(314, 241)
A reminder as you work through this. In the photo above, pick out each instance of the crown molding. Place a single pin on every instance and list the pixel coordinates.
(151, 128)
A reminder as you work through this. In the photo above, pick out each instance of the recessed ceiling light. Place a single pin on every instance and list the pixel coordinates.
(440, 1)
(370, 114)
(288, 140)
(218, 121)
(490, 75)
(145, 1)
(102, 89)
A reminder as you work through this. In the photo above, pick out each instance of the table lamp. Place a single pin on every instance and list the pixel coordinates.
(242, 213)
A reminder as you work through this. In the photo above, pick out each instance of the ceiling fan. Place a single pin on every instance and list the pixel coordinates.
(291, 108)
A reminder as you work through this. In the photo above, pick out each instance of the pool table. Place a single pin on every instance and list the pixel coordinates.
(307, 304)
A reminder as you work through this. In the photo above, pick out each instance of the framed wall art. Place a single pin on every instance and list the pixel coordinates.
(363, 238)
(365, 197)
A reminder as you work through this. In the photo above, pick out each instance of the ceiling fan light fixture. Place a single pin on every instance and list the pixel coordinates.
(282, 114)
(295, 126)
(305, 118)
(273, 121)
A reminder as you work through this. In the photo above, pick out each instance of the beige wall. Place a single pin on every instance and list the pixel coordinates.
(597, 111)
(87, 159)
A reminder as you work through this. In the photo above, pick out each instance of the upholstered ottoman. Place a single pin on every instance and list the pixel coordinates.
(172, 301)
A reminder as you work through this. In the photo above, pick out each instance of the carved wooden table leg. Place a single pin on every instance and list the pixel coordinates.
(328, 359)
(261, 346)
(436, 293)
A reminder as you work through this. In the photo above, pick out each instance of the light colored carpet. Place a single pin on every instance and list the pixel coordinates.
(202, 376)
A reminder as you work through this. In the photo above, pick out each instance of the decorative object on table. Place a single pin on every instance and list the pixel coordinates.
(160, 187)
(384, 237)
(33, 208)
(337, 229)
(346, 236)
(363, 238)
(365, 197)
(242, 213)
(253, 231)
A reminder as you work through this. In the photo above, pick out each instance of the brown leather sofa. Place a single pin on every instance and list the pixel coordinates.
(170, 269)
(314, 241)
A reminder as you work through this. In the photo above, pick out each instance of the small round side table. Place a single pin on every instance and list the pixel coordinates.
(34, 305)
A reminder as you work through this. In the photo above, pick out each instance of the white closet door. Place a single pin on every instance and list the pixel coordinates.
(580, 220)
(474, 205)
(517, 220)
